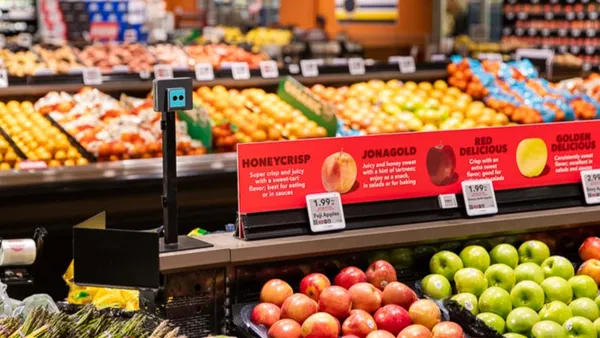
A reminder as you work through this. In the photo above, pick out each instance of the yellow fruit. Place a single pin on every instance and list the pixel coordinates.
(4, 166)
(532, 156)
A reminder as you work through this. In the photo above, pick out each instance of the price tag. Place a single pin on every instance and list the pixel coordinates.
(32, 165)
(92, 76)
(3, 78)
(163, 72)
(309, 68)
(448, 201)
(593, 15)
(570, 16)
(356, 66)
(240, 71)
(532, 31)
(159, 34)
(549, 15)
(590, 32)
(144, 74)
(580, 15)
(490, 56)
(545, 32)
(325, 212)
(522, 16)
(562, 32)
(590, 49)
(120, 69)
(204, 72)
(480, 198)
(590, 179)
(576, 32)
(407, 64)
(130, 36)
(575, 49)
(268, 69)
(520, 31)
(294, 69)
(25, 40)
(510, 15)
(2, 41)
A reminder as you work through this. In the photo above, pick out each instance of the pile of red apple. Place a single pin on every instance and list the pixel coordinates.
(369, 305)
(522, 293)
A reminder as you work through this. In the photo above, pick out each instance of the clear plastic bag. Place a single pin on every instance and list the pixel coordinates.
(6, 304)
(37, 301)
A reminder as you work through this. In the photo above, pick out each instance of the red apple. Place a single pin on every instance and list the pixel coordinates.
(425, 312)
(350, 276)
(285, 328)
(321, 325)
(447, 330)
(312, 285)
(336, 301)
(591, 268)
(365, 297)
(275, 291)
(349, 336)
(415, 331)
(265, 314)
(590, 249)
(399, 294)
(380, 334)
(299, 307)
(441, 164)
(380, 273)
(360, 323)
(392, 318)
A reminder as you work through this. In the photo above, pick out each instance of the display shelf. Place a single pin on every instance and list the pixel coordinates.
(41, 85)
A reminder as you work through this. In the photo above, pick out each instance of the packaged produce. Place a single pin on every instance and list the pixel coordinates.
(106, 56)
(170, 55)
(218, 54)
(111, 129)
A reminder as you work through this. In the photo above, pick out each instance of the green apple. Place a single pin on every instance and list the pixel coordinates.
(557, 312)
(585, 307)
(470, 280)
(513, 335)
(468, 301)
(436, 286)
(584, 286)
(533, 251)
(528, 294)
(597, 300)
(475, 256)
(494, 321)
(580, 327)
(495, 300)
(558, 266)
(597, 326)
(445, 263)
(402, 258)
(557, 288)
(529, 271)
(548, 329)
(505, 254)
(501, 275)
(521, 320)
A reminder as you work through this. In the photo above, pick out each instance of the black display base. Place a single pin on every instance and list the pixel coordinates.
(398, 212)
(183, 243)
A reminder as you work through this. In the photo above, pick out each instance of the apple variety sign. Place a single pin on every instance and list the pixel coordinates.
(277, 175)
(591, 186)
(325, 212)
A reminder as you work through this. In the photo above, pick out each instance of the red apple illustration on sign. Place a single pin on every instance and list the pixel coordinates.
(338, 172)
(441, 165)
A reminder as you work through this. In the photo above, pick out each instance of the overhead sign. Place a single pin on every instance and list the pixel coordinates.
(366, 11)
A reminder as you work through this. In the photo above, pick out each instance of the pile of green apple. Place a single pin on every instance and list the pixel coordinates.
(519, 293)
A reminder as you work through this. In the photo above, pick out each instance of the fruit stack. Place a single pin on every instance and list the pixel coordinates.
(372, 304)
(515, 89)
(520, 293)
(218, 54)
(254, 115)
(107, 129)
(36, 137)
(8, 157)
(377, 107)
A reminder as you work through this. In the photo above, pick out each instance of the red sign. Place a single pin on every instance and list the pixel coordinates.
(104, 31)
(277, 175)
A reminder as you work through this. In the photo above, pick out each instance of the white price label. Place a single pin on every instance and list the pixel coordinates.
(448, 201)
(92, 76)
(325, 212)
(407, 64)
(162, 72)
(120, 69)
(269, 69)
(144, 74)
(437, 58)
(544, 54)
(2, 41)
(240, 71)
(480, 198)
(204, 72)
(130, 36)
(570, 16)
(3, 78)
(490, 56)
(25, 40)
(356, 66)
(159, 34)
(309, 68)
(549, 15)
(590, 179)
(294, 69)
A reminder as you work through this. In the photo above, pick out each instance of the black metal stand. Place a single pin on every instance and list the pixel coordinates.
(172, 242)
(169, 198)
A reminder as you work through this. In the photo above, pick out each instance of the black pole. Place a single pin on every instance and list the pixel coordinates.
(169, 151)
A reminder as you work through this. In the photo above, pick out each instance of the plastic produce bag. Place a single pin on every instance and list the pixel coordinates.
(6, 304)
(38, 301)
